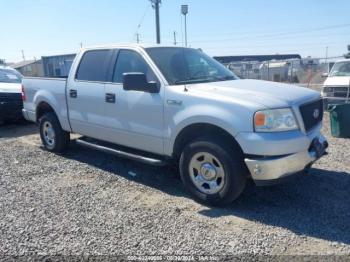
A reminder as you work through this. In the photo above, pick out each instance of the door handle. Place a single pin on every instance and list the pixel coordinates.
(73, 93)
(110, 98)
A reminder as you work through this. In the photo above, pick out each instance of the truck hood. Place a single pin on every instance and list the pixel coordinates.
(10, 87)
(337, 81)
(262, 93)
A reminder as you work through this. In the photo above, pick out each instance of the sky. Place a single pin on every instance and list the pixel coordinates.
(221, 27)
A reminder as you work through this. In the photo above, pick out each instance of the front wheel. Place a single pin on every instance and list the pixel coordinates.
(213, 171)
(53, 137)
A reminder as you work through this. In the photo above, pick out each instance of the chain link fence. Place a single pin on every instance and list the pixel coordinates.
(306, 72)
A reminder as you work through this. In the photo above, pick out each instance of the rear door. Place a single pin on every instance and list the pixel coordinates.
(86, 94)
(134, 118)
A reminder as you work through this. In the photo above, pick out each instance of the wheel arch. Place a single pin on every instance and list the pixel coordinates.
(42, 108)
(196, 130)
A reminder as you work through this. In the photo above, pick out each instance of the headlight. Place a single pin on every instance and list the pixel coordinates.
(275, 120)
(327, 91)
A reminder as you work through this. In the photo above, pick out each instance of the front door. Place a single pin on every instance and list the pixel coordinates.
(135, 118)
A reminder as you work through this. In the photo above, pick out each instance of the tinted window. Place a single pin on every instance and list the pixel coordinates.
(94, 66)
(10, 76)
(131, 62)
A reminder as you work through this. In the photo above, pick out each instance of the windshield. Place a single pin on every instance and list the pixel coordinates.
(187, 66)
(10, 76)
(341, 69)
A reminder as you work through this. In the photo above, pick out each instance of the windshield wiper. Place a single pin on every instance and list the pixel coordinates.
(193, 80)
(224, 78)
(208, 79)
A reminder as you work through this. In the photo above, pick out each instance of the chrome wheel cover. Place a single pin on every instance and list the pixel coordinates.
(207, 173)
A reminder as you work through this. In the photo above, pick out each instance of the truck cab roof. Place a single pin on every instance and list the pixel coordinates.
(142, 46)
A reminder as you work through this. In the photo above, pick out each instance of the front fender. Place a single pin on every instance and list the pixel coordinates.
(232, 122)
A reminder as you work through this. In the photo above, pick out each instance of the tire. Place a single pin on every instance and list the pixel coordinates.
(53, 137)
(201, 165)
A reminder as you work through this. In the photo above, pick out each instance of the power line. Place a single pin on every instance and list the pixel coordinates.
(284, 32)
(256, 41)
(141, 20)
(274, 35)
(252, 46)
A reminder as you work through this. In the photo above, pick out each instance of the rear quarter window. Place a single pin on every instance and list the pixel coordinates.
(94, 66)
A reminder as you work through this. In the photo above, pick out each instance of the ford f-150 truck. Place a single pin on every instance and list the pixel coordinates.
(178, 105)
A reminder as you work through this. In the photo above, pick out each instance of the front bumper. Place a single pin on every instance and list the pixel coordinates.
(276, 168)
(334, 100)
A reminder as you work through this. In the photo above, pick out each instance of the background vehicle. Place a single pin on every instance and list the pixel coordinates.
(10, 94)
(161, 104)
(336, 88)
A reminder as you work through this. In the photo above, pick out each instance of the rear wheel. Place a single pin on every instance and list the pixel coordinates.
(212, 171)
(53, 137)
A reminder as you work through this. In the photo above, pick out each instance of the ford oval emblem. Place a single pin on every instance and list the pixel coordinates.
(316, 113)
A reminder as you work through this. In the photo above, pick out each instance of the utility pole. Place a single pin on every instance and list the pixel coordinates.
(175, 38)
(81, 45)
(326, 55)
(184, 11)
(348, 54)
(155, 5)
(24, 58)
(138, 38)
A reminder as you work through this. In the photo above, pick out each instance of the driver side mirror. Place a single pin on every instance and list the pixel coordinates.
(324, 75)
(138, 82)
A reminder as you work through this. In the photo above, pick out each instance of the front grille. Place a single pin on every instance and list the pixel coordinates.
(337, 91)
(10, 97)
(340, 94)
(340, 89)
(312, 113)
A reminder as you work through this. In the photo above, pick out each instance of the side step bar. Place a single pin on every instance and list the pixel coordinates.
(120, 153)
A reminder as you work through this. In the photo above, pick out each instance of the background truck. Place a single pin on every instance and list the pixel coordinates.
(336, 88)
(177, 105)
(10, 94)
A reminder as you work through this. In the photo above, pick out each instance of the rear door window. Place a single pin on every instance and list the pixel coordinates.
(94, 66)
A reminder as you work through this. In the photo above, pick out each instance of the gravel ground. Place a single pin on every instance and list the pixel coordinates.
(87, 202)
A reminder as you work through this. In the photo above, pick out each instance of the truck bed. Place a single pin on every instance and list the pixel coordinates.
(40, 90)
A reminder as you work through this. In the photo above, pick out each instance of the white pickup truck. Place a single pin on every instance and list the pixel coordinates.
(336, 88)
(173, 104)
